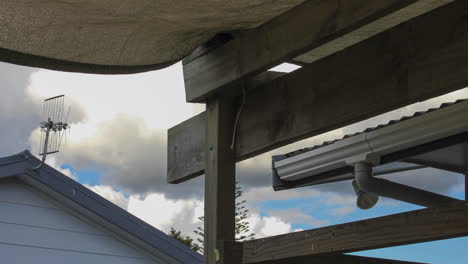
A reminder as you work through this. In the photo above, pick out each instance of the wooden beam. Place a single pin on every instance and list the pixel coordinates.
(219, 179)
(186, 142)
(317, 28)
(337, 259)
(232, 251)
(371, 29)
(186, 145)
(415, 61)
(418, 226)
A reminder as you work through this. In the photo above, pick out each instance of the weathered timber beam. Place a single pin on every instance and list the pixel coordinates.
(373, 28)
(186, 144)
(230, 250)
(187, 141)
(400, 229)
(336, 259)
(317, 28)
(417, 60)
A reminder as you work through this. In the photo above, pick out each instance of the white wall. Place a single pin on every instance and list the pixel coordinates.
(36, 229)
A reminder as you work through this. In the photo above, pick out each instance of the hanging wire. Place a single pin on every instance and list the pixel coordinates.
(234, 132)
(40, 142)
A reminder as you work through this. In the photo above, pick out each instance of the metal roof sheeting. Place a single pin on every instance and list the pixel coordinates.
(392, 122)
(446, 152)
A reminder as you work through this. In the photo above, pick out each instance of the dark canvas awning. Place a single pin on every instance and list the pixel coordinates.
(106, 36)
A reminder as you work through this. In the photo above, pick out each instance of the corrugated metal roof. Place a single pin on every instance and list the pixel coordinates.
(392, 122)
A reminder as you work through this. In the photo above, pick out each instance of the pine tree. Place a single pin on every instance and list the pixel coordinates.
(201, 235)
(242, 227)
(186, 240)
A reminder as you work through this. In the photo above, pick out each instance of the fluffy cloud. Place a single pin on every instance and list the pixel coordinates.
(110, 194)
(183, 214)
(165, 213)
(295, 215)
(19, 114)
(119, 128)
(263, 194)
(269, 226)
(343, 210)
(429, 179)
(54, 164)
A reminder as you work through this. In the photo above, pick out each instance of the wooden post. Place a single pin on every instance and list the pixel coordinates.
(465, 159)
(219, 179)
(466, 186)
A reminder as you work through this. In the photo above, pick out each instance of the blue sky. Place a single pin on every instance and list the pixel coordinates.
(90, 177)
(440, 252)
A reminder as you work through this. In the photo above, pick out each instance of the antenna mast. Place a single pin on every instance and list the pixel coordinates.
(53, 127)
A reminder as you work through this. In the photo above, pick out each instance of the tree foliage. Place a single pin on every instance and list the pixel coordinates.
(186, 240)
(242, 228)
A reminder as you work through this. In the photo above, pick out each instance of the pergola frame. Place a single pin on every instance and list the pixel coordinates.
(364, 58)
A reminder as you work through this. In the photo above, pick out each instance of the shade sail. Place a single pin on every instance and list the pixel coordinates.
(120, 36)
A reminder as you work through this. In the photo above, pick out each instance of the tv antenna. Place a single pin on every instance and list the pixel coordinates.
(53, 127)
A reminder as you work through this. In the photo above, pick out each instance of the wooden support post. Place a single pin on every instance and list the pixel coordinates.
(465, 158)
(219, 179)
(466, 186)
(230, 252)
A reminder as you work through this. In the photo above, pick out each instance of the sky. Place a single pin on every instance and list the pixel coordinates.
(117, 148)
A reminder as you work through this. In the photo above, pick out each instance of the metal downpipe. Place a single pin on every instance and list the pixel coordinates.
(389, 189)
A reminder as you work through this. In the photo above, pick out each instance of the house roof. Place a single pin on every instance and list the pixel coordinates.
(22, 164)
(108, 36)
(447, 152)
(370, 129)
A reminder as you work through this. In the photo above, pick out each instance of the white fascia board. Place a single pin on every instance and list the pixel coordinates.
(369, 147)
